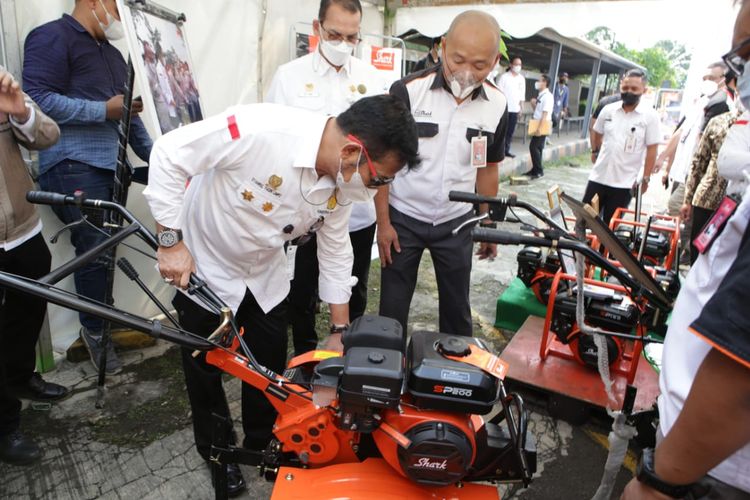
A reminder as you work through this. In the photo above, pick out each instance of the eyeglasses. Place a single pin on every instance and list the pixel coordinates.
(335, 36)
(301, 240)
(734, 60)
(376, 180)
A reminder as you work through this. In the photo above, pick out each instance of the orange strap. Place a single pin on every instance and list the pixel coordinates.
(483, 360)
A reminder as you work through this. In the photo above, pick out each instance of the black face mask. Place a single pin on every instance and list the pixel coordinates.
(630, 99)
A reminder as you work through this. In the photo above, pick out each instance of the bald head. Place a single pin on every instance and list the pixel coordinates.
(475, 22)
(471, 45)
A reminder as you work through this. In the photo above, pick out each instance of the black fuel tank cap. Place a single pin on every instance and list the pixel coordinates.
(453, 346)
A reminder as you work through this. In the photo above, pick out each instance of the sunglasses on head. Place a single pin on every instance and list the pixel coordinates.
(376, 180)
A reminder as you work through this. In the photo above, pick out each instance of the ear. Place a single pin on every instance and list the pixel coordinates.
(316, 27)
(350, 150)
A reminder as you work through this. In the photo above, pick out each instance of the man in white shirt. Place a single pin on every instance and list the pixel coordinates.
(461, 119)
(262, 177)
(513, 84)
(328, 81)
(543, 116)
(625, 139)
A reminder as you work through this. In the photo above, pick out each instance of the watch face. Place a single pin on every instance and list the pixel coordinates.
(167, 238)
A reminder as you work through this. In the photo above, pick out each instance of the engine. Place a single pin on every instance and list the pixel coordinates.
(422, 409)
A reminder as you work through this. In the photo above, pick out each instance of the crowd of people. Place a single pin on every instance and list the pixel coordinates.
(277, 206)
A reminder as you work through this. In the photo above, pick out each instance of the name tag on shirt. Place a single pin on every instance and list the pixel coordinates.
(630, 143)
(291, 254)
(479, 151)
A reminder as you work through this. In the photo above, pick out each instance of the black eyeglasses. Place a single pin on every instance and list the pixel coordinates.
(376, 180)
(335, 36)
(301, 240)
(734, 60)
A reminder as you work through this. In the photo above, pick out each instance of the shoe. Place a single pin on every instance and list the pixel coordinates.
(536, 176)
(37, 389)
(17, 449)
(510, 155)
(94, 345)
(235, 482)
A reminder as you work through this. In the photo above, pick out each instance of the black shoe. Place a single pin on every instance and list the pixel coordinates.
(510, 155)
(536, 176)
(235, 482)
(17, 449)
(37, 389)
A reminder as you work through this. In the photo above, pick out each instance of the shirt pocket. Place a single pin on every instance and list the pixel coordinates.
(426, 130)
(257, 200)
(476, 132)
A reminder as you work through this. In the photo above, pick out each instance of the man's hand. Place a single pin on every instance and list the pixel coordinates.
(334, 343)
(636, 490)
(487, 251)
(387, 237)
(114, 107)
(644, 186)
(594, 156)
(686, 211)
(176, 263)
(665, 180)
(11, 98)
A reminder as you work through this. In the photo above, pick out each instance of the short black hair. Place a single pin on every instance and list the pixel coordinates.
(636, 73)
(436, 41)
(514, 58)
(384, 124)
(545, 77)
(352, 6)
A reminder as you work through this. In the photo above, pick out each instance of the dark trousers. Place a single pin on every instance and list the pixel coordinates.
(67, 177)
(21, 318)
(451, 256)
(510, 130)
(700, 218)
(362, 246)
(265, 335)
(610, 198)
(303, 293)
(536, 148)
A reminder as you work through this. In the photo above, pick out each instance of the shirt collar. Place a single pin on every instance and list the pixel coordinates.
(322, 67)
(307, 153)
(74, 23)
(440, 82)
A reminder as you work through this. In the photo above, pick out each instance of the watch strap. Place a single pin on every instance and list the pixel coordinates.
(646, 474)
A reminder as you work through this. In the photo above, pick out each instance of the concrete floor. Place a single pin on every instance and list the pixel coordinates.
(140, 445)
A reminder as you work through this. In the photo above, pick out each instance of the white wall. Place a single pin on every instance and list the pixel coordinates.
(223, 37)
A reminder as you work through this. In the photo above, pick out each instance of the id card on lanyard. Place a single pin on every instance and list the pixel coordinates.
(716, 223)
(479, 151)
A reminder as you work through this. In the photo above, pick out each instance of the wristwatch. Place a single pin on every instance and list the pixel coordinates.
(168, 237)
(647, 475)
(338, 328)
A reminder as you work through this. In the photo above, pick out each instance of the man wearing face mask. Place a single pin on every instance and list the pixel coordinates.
(77, 78)
(628, 135)
(562, 94)
(542, 114)
(513, 84)
(461, 119)
(720, 95)
(265, 178)
(432, 58)
(328, 81)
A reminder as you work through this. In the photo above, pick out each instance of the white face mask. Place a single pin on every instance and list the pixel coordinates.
(354, 190)
(537, 85)
(113, 30)
(462, 84)
(709, 87)
(743, 88)
(337, 53)
(516, 69)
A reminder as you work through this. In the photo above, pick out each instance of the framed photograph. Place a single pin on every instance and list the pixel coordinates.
(159, 51)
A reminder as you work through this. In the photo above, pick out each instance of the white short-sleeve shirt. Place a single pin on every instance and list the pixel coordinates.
(544, 104)
(311, 83)
(626, 137)
(514, 87)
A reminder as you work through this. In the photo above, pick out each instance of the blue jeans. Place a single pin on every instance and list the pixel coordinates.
(67, 177)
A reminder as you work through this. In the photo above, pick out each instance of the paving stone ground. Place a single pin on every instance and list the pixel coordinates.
(140, 445)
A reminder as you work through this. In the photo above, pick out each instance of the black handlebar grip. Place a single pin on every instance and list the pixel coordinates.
(48, 198)
(127, 268)
(495, 236)
(467, 197)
